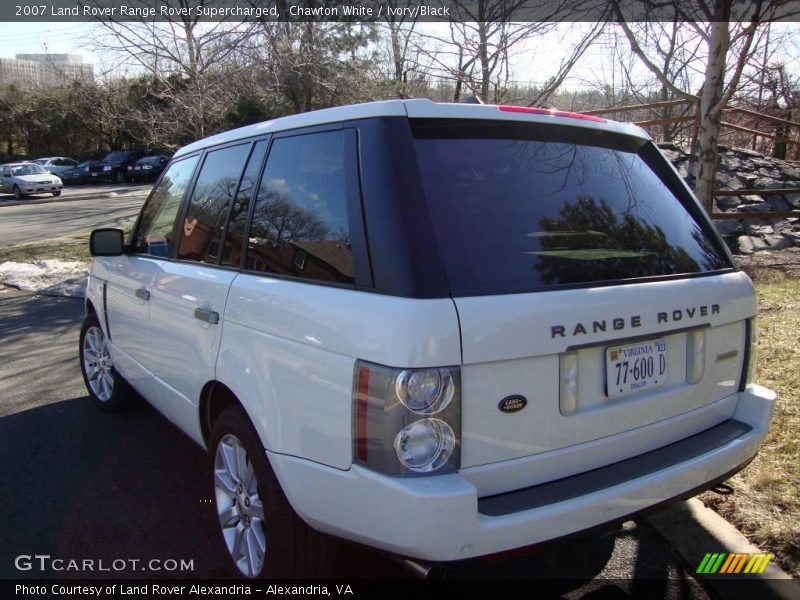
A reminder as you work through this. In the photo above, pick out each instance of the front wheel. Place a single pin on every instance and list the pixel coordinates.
(57, 193)
(18, 193)
(107, 390)
(263, 535)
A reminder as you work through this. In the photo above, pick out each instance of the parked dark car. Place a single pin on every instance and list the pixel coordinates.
(147, 168)
(77, 174)
(114, 166)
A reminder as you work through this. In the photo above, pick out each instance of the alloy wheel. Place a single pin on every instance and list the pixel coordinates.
(239, 506)
(97, 363)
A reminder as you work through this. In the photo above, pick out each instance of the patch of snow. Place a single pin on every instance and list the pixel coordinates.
(47, 277)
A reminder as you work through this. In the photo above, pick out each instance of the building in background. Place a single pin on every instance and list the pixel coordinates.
(44, 69)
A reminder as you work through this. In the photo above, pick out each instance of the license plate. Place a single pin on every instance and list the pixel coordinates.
(94, 174)
(634, 368)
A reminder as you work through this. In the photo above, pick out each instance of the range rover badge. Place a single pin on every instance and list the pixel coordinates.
(511, 404)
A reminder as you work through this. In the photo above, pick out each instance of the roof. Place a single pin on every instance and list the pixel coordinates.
(414, 109)
(332, 252)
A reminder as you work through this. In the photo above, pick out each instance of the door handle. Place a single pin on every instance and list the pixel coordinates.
(142, 294)
(207, 315)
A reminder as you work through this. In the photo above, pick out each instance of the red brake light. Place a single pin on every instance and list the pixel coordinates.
(552, 112)
(362, 398)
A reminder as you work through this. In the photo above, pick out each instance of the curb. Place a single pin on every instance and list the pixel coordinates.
(90, 196)
(693, 530)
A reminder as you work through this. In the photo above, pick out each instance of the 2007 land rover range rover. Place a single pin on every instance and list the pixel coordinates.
(441, 330)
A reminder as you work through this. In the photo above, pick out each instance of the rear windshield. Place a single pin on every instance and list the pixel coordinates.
(517, 210)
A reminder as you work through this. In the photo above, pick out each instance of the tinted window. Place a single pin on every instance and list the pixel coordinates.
(213, 193)
(300, 225)
(241, 206)
(155, 230)
(515, 214)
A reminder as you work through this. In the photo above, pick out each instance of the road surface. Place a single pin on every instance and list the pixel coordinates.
(26, 223)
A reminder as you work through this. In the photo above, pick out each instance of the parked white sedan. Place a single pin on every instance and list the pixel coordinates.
(22, 179)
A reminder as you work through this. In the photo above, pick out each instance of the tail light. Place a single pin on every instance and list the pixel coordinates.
(407, 421)
(750, 353)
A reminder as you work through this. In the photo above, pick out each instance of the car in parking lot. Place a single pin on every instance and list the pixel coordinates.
(147, 168)
(442, 330)
(56, 164)
(76, 174)
(114, 166)
(22, 179)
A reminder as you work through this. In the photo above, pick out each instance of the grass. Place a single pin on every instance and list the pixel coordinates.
(765, 504)
(72, 249)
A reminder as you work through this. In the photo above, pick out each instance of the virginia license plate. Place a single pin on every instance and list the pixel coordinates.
(635, 368)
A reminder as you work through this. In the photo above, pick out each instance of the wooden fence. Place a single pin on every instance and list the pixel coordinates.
(748, 120)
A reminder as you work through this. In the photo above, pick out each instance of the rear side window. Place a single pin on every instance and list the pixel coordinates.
(156, 224)
(241, 206)
(204, 224)
(300, 223)
(513, 212)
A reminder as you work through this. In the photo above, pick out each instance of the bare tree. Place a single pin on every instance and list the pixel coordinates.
(729, 46)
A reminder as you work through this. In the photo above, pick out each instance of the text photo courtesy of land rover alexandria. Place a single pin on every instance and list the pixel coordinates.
(441, 330)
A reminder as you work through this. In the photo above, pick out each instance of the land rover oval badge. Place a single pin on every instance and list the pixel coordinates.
(512, 404)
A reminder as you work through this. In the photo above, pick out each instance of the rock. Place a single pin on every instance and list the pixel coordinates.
(728, 182)
(747, 177)
(768, 183)
(777, 242)
(728, 202)
(749, 244)
(793, 200)
(751, 199)
(793, 237)
(673, 156)
(790, 172)
(777, 202)
(760, 229)
(766, 172)
(729, 226)
(747, 152)
(760, 207)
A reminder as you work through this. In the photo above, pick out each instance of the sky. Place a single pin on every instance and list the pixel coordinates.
(532, 63)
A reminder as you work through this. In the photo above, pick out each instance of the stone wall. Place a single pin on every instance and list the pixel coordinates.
(744, 169)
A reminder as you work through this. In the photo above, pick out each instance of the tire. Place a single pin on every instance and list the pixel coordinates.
(257, 516)
(58, 193)
(107, 389)
(18, 193)
(119, 177)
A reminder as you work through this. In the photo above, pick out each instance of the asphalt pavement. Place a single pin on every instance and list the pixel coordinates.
(79, 483)
(29, 222)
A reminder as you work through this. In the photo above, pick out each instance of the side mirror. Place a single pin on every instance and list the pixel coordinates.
(106, 242)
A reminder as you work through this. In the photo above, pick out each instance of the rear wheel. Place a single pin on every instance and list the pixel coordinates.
(18, 192)
(107, 389)
(119, 177)
(57, 193)
(263, 535)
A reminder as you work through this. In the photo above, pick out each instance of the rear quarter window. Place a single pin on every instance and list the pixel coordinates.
(515, 210)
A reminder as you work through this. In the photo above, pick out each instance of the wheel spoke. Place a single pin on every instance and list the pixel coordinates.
(256, 509)
(253, 559)
(229, 516)
(241, 462)
(229, 458)
(224, 482)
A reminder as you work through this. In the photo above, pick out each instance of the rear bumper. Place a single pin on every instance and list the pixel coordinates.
(441, 518)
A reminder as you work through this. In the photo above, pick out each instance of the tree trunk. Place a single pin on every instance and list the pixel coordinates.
(711, 107)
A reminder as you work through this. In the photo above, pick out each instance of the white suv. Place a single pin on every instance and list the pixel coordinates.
(440, 330)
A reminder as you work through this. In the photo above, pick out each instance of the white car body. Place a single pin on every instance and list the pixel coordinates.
(287, 350)
(35, 183)
(56, 164)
